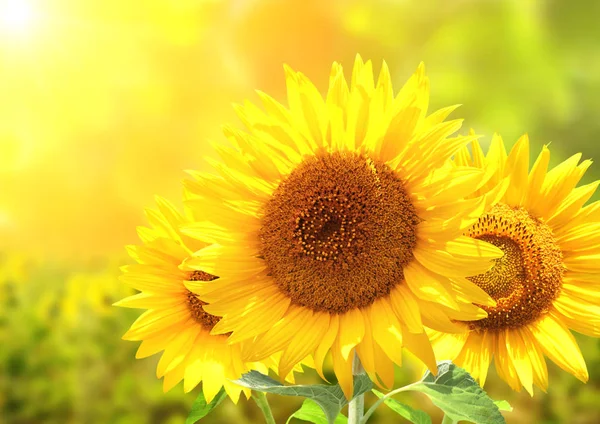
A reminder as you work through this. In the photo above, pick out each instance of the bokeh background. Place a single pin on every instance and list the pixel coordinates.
(103, 103)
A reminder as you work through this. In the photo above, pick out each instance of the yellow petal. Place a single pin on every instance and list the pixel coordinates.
(573, 203)
(478, 156)
(351, 332)
(504, 365)
(536, 178)
(152, 301)
(496, 157)
(468, 292)
(462, 180)
(558, 344)
(255, 188)
(420, 346)
(154, 322)
(520, 358)
(439, 116)
(387, 331)
(435, 318)
(325, 344)
(225, 261)
(342, 367)
(583, 237)
(476, 354)
(176, 350)
(406, 308)
(277, 337)
(517, 165)
(448, 346)
(463, 157)
(588, 263)
(586, 215)
(194, 366)
(152, 346)
(461, 257)
(233, 391)
(365, 349)
(578, 308)
(303, 342)
(536, 358)
(384, 367)
(174, 377)
(559, 182)
(213, 375)
(265, 312)
(427, 285)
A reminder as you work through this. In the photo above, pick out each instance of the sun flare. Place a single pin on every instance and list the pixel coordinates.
(17, 17)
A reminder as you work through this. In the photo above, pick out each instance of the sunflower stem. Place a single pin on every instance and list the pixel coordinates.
(384, 398)
(356, 407)
(261, 400)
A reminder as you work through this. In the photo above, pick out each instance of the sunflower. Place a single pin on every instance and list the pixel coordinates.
(175, 321)
(335, 226)
(548, 280)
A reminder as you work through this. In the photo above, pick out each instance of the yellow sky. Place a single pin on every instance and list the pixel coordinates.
(105, 103)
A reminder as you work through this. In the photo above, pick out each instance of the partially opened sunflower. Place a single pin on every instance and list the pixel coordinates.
(175, 321)
(548, 280)
(336, 225)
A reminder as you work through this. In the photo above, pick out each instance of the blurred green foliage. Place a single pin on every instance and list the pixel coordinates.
(516, 66)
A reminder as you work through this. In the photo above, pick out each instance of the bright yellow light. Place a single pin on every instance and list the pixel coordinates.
(16, 17)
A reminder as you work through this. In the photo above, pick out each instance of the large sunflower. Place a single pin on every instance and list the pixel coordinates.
(175, 320)
(549, 277)
(337, 225)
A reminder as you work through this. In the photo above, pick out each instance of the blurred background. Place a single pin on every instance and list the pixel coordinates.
(103, 103)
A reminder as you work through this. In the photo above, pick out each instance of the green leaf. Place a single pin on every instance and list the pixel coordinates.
(310, 411)
(413, 415)
(200, 409)
(503, 405)
(456, 393)
(330, 398)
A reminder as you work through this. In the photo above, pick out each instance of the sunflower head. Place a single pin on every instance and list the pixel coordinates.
(546, 281)
(527, 279)
(175, 320)
(338, 232)
(336, 227)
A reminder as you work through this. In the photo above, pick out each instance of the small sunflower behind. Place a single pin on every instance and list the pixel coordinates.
(175, 321)
(548, 280)
(337, 225)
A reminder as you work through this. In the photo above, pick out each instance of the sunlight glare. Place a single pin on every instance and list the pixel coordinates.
(16, 17)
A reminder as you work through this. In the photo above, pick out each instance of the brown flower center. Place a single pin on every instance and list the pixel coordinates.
(528, 278)
(202, 317)
(338, 231)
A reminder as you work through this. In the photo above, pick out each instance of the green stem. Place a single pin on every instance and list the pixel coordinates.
(383, 399)
(356, 407)
(261, 400)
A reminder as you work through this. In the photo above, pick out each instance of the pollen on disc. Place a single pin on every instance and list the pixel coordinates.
(338, 231)
(528, 278)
